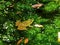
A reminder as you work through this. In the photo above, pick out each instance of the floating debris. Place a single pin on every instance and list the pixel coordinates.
(38, 25)
(37, 5)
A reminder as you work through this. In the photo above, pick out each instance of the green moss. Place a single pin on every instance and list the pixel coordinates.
(1, 42)
(50, 7)
(48, 16)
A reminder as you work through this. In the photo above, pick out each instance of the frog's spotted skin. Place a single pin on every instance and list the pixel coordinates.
(24, 24)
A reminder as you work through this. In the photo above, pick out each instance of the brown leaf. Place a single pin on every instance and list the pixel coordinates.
(26, 41)
(19, 41)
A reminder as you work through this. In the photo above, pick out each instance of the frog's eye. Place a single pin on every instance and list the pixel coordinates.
(17, 23)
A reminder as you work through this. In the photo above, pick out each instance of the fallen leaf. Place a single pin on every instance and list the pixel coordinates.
(26, 41)
(19, 41)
